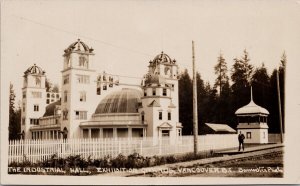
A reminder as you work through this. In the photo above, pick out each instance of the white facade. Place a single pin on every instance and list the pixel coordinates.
(96, 105)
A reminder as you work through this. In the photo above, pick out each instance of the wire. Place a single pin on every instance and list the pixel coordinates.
(83, 36)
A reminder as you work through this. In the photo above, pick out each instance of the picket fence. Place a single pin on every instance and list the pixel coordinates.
(39, 150)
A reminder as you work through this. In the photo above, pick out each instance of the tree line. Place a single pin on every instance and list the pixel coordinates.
(14, 126)
(218, 102)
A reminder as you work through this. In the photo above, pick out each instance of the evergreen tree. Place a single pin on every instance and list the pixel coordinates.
(50, 87)
(186, 103)
(14, 117)
(201, 94)
(261, 87)
(241, 74)
(221, 72)
(274, 122)
(223, 103)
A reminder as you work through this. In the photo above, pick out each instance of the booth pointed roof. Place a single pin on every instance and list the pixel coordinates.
(252, 108)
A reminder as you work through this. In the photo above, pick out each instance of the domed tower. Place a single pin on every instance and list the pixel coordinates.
(33, 99)
(160, 98)
(78, 88)
(252, 121)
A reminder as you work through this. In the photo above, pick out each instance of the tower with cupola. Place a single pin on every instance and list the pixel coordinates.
(78, 88)
(160, 98)
(33, 99)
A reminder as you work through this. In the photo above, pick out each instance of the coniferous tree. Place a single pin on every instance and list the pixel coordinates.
(274, 122)
(201, 94)
(261, 87)
(186, 103)
(223, 104)
(221, 72)
(14, 117)
(241, 74)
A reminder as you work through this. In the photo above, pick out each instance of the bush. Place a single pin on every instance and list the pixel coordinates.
(121, 161)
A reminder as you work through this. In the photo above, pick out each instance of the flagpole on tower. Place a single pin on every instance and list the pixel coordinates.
(195, 111)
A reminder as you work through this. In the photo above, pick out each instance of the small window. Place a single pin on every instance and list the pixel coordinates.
(179, 132)
(82, 97)
(81, 115)
(34, 121)
(36, 108)
(65, 96)
(65, 114)
(66, 79)
(248, 135)
(154, 92)
(48, 95)
(47, 101)
(24, 94)
(145, 92)
(160, 115)
(23, 121)
(83, 61)
(83, 79)
(165, 133)
(98, 91)
(36, 94)
(169, 115)
(38, 81)
(23, 107)
(164, 92)
(143, 117)
(104, 87)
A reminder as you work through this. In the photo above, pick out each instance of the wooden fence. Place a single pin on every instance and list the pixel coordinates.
(274, 138)
(39, 150)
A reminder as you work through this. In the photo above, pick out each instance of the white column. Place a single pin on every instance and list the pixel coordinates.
(129, 132)
(101, 133)
(90, 133)
(115, 135)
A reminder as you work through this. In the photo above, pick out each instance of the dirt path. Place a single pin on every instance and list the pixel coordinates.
(268, 162)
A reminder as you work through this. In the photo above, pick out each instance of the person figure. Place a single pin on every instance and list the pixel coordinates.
(241, 138)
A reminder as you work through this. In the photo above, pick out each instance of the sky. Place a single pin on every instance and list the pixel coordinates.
(126, 35)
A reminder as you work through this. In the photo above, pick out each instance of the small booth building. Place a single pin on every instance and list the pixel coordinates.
(252, 122)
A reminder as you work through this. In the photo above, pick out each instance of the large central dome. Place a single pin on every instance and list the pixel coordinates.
(122, 101)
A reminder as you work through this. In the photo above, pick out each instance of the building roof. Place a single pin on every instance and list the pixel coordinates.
(50, 109)
(220, 127)
(165, 125)
(123, 101)
(34, 70)
(162, 58)
(154, 104)
(251, 108)
(78, 46)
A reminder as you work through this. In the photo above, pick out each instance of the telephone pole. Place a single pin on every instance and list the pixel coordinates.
(279, 106)
(195, 111)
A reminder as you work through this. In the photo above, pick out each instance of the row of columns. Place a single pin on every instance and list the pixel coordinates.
(46, 134)
(115, 132)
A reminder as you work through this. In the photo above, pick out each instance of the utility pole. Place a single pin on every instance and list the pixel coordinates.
(195, 111)
(279, 106)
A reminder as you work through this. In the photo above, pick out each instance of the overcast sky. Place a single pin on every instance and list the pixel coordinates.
(127, 34)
